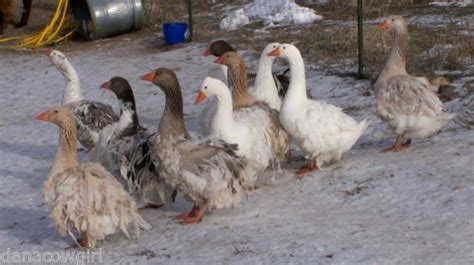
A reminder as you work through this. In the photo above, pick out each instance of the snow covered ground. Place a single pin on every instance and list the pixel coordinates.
(411, 207)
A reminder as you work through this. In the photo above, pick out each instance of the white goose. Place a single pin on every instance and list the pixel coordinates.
(243, 126)
(265, 88)
(405, 102)
(91, 116)
(320, 129)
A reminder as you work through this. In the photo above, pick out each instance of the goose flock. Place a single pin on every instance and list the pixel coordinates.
(245, 132)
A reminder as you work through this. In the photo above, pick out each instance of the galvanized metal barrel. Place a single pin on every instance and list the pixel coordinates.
(109, 17)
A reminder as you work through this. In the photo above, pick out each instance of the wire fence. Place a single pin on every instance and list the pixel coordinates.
(335, 41)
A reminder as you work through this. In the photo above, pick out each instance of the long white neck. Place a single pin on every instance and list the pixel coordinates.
(224, 69)
(264, 81)
(73, 89)
(297, 88)
(223, 121)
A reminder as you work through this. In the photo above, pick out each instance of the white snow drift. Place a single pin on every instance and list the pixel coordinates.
(271, 12)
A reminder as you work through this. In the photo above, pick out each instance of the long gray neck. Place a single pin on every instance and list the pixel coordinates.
(396, 60)
(172, 120)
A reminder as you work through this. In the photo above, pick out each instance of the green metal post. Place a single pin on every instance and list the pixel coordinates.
(190, 20)
(360, 39)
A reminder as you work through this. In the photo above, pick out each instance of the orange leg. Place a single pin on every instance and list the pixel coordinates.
(192, 213)
(199, 214)
(398, 146)
(306, 169)
(84, 241)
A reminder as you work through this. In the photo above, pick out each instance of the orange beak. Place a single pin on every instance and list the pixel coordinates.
(383, 25)
(149, 77)
(47, 51)
(200, 98)
(105, 85)
(275, 52)
(207, 52)
(220, 60)
(42, 116)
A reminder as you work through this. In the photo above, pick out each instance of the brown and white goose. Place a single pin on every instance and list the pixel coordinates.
(405, 102)
(124, 149)
(91, 116)
(247, 107)
(210, 174)
(264, 76)
(85, 197)
(242, 127)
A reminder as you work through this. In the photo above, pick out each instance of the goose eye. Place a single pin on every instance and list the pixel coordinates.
(393, 20)
(284, 47)
(55, 111)
(274, 46)
(205, 87)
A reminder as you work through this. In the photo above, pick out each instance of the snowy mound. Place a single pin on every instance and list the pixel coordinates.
(271, 12)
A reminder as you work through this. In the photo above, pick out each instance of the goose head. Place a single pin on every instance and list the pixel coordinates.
(59, 60)
(440, 81)
(394, 24)
(164, 78)
(285, 50)
(211, 87)
(269, 48)
(122, 89)
(172, 120)
(57, 115)
(218, 48)
(229, 59)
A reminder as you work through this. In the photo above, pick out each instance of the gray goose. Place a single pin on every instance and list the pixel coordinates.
(209, 173)
(91, 116)
(124, 149)
(405, 102)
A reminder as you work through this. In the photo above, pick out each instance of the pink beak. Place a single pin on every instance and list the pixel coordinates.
(47, 51)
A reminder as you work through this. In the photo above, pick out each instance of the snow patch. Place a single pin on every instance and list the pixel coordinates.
(462, 3)
(271, 12)
(235, 20)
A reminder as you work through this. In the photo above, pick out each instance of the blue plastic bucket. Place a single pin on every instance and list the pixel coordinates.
(174, 32)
